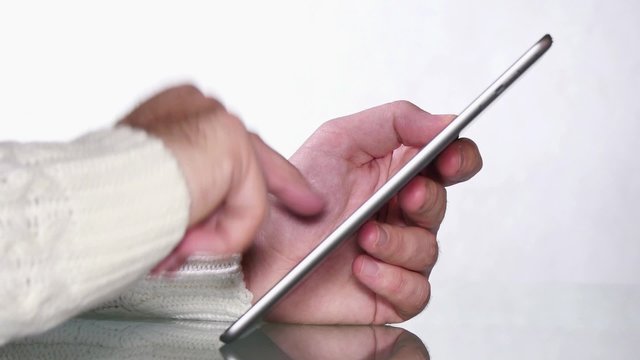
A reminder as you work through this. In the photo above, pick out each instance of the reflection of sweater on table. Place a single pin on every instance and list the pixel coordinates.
(81, 222)
(85, 338)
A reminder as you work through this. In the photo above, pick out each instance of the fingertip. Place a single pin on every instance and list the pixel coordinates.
(472, 156)
(406, 290)
(318, 200)
(356, 266)
(450, 161)
(459, 161)
(311, 203)
(367, 235)
(287, 183)
(366, 269)
(413, 196)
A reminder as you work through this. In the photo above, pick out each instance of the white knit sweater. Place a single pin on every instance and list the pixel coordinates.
(83, 222)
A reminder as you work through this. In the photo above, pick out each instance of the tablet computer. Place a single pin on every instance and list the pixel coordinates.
(413, 167)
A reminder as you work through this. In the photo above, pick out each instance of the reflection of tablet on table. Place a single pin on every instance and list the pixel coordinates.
(385, 193)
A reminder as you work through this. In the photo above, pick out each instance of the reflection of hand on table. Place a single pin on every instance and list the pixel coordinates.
(346, 342)
(97, 338)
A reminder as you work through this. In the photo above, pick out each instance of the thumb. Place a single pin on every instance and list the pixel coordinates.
(378, 131)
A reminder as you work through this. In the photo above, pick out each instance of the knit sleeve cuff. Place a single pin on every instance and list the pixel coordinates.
(205, 288)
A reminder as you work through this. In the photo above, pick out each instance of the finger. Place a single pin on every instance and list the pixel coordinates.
(180, 253)
(410, 247)
(424, 202)
(376, 132)
(235, 223)
(406, 290)
(385, 339)
(230, 229)
(408, 346)
(285, 181)
(200, 239)
(169, 264)
(391, 213)
(459, 162)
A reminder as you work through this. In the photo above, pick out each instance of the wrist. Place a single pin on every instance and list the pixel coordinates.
(193, 179)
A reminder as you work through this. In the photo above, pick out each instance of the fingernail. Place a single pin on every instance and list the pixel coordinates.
(382, 237)
(369, 268)
(460, 159)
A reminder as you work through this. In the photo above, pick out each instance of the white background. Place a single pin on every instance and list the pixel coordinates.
(559, 196)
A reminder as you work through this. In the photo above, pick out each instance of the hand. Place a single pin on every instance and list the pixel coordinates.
(380, 276)
(228, 172)
(345, 342)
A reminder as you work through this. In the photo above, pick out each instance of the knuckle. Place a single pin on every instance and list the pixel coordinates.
(403, 106)
(186, 90)
(434, 251)
(338, 131)
(331, 127)
(254, 137)
(416, 301)
(229, 129)
(423, 296)
(234, 122)
(391, 243)
(436, 198)
(432, 196)
(214, 104)
(399, 285)
(429, 255)
(442, 204)
(478, 161)
(471, 152)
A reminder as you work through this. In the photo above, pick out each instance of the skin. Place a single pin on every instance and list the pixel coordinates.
(346, 342)
(380, 275)
(228, 172)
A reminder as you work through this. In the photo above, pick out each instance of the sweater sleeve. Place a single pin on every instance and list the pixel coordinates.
(80, 221)
(205, 288)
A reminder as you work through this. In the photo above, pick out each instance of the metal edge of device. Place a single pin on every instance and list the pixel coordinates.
(256, 345)
(386, 192)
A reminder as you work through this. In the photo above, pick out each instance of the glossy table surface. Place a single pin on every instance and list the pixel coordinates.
(463, 321)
